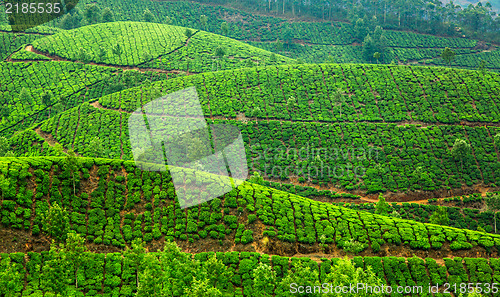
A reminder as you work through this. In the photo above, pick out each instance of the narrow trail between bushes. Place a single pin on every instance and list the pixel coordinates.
(50, 139)
(243, 118)
(30, 48)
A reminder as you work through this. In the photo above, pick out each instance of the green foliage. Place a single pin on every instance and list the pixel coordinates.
(107, 15)
(92, 13)
(353, 247)
(440, 217)
(264, 280)
(301, 274)
(493, 204)
(382, 207)
(256, 178)
(11, 277)
(148, 16)
(224, 28)
(460, 150)
(56, 222)
(173, 55)
(95, 147)
(70, 163)
(345, 273)
(4, 146)
(448, 55)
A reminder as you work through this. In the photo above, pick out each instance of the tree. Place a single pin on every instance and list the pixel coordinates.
(360, 29)
(4, 146)
(201, 288)
(279, 45)
(382, 207)
(4, 184)
(338, 99)
(147, 16)
(301, 274)
(264, 280)
(273, 58)
(344, 273)
(493, 204)
(376, 55)
(448, 55)
(215, 271)
(204, 21)
(482, 66)
(188, 33)
(26, 98)
(497, 139)
(440, 217)
(95, 147)
(287, 35)
(107, 15)
(70, 163)
(460, 150)
(224, 27)
(117, 51)
(55, 222)
(101, 54)
(11, 279)
(91, 13)
(67, 22)
(5, 111)
(256, 178)
(55, 272)
(47, 98)
(74, 252)
(136, 254)
(219, 53)
(150, 277)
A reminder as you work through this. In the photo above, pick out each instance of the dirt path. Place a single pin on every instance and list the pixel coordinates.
(96, 104)
(50, 139)
(30, 48)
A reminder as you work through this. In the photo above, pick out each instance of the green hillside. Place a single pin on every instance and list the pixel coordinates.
(111, 202)
(232, 272)
(372, 149)
(150, 45)
(396, 141)
(52, 87)
(312, 42)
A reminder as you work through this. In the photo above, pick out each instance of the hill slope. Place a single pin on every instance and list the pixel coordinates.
(153, 45)
(116, 202)
(66, 84)
(383, 131)
(115, 272)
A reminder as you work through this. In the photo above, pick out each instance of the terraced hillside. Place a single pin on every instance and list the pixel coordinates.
(326, 145)
(154, 46)
(311, 42)
(111, 202)
(35, 91)
(383, 129)
(116, 273)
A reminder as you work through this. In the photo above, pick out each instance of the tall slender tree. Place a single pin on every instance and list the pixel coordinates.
(493, 205)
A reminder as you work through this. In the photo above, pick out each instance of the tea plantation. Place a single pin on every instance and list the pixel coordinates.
(372, 150)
